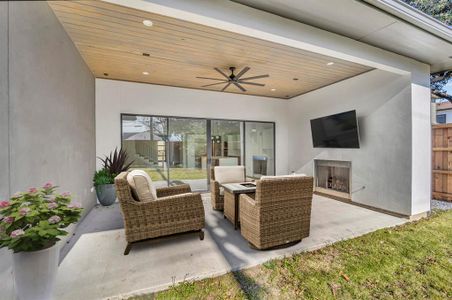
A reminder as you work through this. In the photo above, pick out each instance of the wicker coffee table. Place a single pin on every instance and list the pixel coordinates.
(232, 193)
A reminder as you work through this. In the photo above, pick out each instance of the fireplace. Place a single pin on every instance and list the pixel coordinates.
(333, 178)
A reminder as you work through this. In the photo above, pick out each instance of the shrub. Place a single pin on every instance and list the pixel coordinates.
(34, 220)
(103, 177)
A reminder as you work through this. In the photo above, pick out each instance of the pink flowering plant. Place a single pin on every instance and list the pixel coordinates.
(35, 219)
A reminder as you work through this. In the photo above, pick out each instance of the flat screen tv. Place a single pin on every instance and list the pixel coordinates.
(336, 131)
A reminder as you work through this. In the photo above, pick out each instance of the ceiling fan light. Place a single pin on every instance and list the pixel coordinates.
(235, 79)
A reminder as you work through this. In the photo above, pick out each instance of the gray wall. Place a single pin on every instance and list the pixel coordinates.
(51, 105)
(4, 146)
(382, 166)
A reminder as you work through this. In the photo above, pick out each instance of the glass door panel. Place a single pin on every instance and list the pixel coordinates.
(226, 143)
(187, 149)
(259, 149)
(175, 150)
(144, 139)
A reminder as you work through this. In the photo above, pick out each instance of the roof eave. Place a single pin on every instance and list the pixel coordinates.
(414, 16)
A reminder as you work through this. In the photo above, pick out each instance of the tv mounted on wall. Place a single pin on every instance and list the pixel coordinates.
(336, 131)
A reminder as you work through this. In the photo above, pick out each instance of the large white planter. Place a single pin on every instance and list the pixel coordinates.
(35, 273)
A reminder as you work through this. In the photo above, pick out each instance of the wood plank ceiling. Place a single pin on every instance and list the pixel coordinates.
(116, 45)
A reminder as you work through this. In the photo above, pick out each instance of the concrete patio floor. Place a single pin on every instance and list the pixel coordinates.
(95, 267)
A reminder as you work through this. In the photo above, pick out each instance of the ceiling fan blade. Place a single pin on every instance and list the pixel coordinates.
(256, 77)
(241, 73)
(251, 83)
(226, 86)
(209, 78)
(239, 86)
(222, 73)
(216, 83)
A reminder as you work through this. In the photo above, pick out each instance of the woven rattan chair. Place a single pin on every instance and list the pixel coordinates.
(176, 210)
(216, 197)
(279, 213)
(216, 193)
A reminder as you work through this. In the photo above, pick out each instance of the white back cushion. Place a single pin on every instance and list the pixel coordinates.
(282, 176)
(229, 174)
(141, 184)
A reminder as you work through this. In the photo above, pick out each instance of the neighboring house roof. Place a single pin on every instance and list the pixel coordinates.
(443, 106)
(387, 24)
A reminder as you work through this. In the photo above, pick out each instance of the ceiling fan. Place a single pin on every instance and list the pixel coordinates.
(234, 79)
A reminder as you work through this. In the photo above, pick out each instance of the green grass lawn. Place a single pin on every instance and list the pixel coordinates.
(412, 261)
(176, 174)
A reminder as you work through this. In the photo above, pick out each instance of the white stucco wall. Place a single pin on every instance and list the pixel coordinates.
(391, 170)
(116, 97)
(381, 168)
(49, 113)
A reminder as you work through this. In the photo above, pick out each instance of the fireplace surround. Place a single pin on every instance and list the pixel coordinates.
(333, 178)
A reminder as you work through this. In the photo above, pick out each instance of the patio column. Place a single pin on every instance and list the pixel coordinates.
(421, 165)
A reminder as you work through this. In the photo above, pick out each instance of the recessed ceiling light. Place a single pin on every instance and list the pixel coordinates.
(272, 90)
(147, 23)
(145, 73)
(330, 63)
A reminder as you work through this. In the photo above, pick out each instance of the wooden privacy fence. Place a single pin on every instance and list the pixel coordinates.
(442, 162)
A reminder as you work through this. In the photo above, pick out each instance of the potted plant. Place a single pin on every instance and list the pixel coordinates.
(30, 225)
(105, 189)
(104, 178)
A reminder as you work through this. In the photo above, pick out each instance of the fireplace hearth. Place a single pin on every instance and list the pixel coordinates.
(333, 178)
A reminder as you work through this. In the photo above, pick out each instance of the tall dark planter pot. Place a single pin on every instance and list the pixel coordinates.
(106, 194)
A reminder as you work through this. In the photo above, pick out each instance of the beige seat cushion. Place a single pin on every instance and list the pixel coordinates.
(141, 186)
(229, 174)
(282, 176)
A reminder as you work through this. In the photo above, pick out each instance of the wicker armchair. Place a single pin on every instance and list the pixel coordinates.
(279, 213)
(216, 192)
(176, 210)
(216, 197)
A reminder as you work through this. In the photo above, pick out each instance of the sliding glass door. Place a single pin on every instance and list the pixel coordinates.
(226, 137)
(187, 147)
(259, 149)
(144, 139)
(175, 150)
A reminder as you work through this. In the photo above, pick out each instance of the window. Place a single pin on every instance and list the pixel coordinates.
(175, 150)
(441, 118)
(226, 143)
(259, 149)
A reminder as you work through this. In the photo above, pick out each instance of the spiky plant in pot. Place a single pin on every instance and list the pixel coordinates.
(116, 162)
(113, 164)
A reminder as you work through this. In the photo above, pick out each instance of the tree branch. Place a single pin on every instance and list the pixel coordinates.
(441, 95)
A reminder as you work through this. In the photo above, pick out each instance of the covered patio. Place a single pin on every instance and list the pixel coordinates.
(122, 74)
(94, 266)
